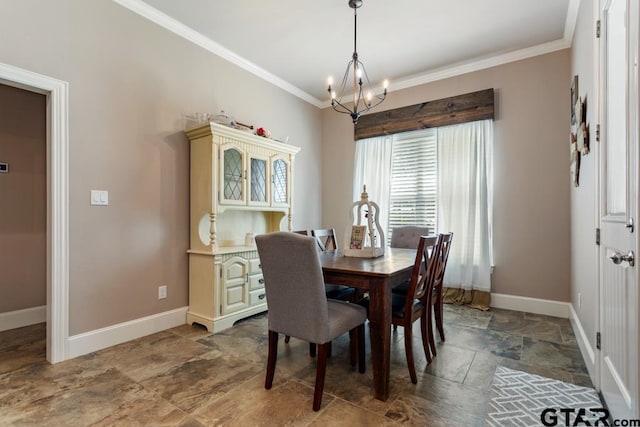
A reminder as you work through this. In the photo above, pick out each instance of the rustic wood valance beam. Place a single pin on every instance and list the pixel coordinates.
(465, 108)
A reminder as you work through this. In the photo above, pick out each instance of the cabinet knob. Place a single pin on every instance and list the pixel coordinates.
(261, 296)
(261, 281)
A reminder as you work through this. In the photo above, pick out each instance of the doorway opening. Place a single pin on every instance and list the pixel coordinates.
(57, 188)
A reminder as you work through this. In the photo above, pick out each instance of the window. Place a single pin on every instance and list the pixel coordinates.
(438, 177)
(413, 195)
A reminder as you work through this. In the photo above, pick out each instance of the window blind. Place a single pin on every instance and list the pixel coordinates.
(413, 196)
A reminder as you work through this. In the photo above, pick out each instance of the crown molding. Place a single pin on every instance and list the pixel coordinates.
(177, 27)
(476, 64)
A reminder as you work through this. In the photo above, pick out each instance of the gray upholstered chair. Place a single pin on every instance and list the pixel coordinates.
(407, 236)
(298, 306)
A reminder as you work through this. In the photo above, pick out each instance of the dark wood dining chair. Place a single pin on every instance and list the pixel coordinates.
(407, 237)
(411, 306)
(436, 304)
(298, 306)
(326, 238)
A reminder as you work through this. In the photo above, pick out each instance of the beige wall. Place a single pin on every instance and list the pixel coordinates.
(584, 219)
(130, 82)
(22, 199)
(531, 206)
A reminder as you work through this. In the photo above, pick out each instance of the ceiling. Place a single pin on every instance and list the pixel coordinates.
(297, 44)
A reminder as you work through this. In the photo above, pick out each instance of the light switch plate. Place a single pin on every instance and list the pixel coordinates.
(99, 198)
(4, 167)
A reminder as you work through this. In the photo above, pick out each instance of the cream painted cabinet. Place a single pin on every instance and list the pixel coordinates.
(239, 184)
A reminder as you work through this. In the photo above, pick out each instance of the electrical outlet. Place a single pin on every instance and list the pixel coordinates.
(579, 300)
(162, 291)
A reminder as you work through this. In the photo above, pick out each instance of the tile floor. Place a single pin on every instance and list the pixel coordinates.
(187, 377)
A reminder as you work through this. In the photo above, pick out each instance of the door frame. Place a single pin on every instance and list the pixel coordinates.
(57, 101)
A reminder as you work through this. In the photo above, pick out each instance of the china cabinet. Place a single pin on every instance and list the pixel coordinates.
(240, 185)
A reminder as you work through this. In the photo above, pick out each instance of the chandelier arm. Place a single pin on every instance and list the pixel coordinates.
(335, 103)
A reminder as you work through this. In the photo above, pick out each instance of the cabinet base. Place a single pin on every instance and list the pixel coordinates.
(221, 323)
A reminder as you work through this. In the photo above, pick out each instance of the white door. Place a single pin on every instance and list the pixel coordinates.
(619, 207)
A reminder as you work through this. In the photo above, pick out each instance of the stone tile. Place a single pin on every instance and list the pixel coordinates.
(23, 353)
(40, 380)
(552, 355)
(287, 403)
(148, 411)
(499, 343)
(465, 316)
(99, 397)
(439, 402)
(451, 363)
(340, 413)
(197, 382)
(193, 332)
(568, 336)
(152, 355)
(538, 327)
(583, 380)
(23, 336)
(483, 367)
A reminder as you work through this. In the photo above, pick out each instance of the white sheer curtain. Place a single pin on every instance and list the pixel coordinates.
(465, 200)
(372, 167)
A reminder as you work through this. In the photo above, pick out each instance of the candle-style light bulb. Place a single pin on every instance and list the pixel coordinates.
(330, 81)
(385, 84)
(333, 94)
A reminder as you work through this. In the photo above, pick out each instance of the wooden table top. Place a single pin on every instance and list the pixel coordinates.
(393, 261)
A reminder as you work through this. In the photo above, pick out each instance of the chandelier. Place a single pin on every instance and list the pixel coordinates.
(364, 98)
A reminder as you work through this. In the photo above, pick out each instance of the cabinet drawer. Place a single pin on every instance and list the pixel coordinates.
(254, 266)
(256, 282)
(257, 297)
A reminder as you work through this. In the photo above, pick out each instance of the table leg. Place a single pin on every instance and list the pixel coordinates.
(380, 334)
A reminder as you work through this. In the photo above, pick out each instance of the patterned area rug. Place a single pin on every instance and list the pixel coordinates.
(521, 399)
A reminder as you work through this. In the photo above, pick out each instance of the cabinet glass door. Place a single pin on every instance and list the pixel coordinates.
(258, 181)
(280, 182)
(232, 179)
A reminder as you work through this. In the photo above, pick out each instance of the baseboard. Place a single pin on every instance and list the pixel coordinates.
(588, 353)
(531, 305)
(25, 317)
(88, 342)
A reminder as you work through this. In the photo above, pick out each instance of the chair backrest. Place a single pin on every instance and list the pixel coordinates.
(326, 239)
(303, 232)
(423, 272)
(441, 261)
(407, 236)
(294, 286)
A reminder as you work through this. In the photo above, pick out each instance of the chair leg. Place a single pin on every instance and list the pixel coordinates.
(321, 369)
(439, 317)
(353, 349)
(361, 350)
(312, 349)
(432, 341)
(271, 360)
(408, 348)
(425, 335)
(287, 338)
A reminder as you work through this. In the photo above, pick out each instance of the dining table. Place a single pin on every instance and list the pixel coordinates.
(377, 276)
